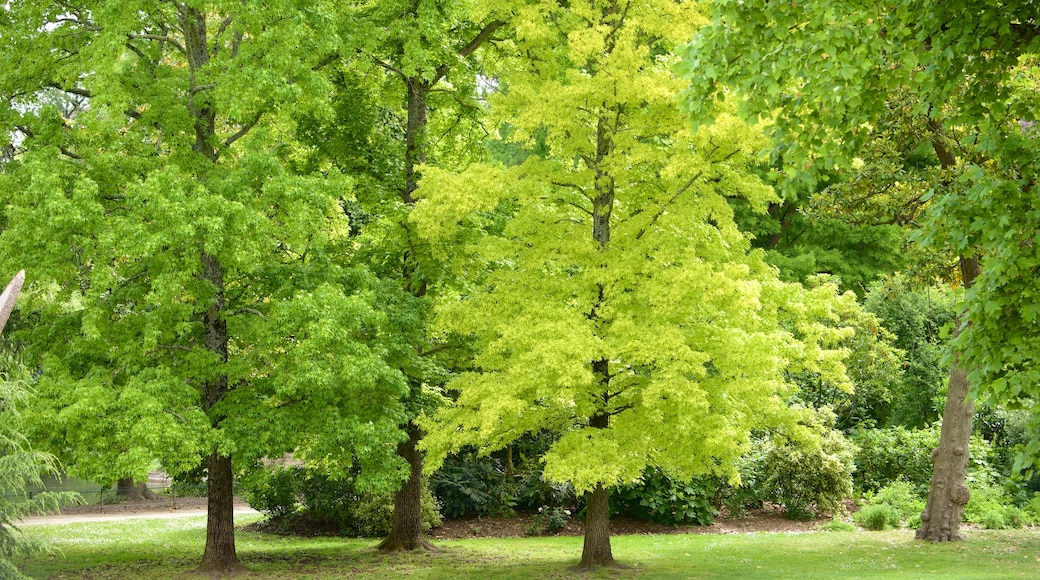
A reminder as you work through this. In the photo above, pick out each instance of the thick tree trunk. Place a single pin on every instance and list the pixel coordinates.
(948, 493)
(406, 529)
(220, 556)
(596, 552)
(130, 491)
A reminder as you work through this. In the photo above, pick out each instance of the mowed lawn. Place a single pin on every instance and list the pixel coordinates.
(162, 549)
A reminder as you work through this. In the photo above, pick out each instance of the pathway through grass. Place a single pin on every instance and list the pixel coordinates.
(162, 549)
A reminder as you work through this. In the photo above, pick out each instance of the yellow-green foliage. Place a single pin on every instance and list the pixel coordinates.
(697, 330)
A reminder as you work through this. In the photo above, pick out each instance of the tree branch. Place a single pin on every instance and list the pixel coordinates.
(470, 47)
(252, 311)
(245, 128)
(160, 38)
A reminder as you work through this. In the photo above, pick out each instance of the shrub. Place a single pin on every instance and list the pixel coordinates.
(273, 492)
(283, 492)
(751, 492)
(472, 485)
(661, 499)
(890, 506)
(878, 517)
(992, 508)
(372, 515)
(549, 520)
(897, 453)
(809, 477)
(903, 496)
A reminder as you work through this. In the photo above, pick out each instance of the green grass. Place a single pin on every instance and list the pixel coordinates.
(143, 549)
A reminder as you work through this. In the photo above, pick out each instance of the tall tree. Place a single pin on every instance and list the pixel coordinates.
(621, 305)
(827, 71)
(187, 288)
(427, 51)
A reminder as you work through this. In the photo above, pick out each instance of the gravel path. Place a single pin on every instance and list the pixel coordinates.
(133, 511)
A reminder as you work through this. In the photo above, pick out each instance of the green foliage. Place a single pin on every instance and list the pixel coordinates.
(810, 476)
(879, 517)
(282, 493)
(273, 492)
(665, 500)
(920, 319)
(874, 365)
(576, 330)
(885, 456)
(550, 520)
(21, 467)
(991, 507)
(891, 505)
(467, 485)
(836, 525)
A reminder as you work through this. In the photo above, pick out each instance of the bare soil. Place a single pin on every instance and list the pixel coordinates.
(769, 519)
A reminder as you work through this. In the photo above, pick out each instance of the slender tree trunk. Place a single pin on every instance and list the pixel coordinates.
(406, 528)
(948, 493)
(220, 555)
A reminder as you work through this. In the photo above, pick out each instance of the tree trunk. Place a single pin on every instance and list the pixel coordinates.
(948, 493)
(596, 551)
(406, 529)
(220, 556)
(129, 491)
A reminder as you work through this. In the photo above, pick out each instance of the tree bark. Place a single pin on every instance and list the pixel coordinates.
(220, 556)
(130, 491)
(596, 551)
(406, 528)
(948, 493)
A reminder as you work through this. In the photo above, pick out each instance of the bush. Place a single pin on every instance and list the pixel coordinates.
(470, 485)
(549, 520)
(283, 492)
(891, 506)
(751, 492)
(992, 508)
(879, 517)
(903, 496)
(809, 477)
(661, 499)
(372, 515)
(273, 493)
(885, 456)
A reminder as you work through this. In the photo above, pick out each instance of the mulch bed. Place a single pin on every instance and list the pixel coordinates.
(769, 519)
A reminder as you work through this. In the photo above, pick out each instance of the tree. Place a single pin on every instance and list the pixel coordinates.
(20, 465)
(826, 71)
(422, 54)
(621, 306)
(189, 287)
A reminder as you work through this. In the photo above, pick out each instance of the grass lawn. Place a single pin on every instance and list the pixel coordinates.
(161, 549)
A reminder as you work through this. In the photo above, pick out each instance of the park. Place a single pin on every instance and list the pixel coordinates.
(370, 283)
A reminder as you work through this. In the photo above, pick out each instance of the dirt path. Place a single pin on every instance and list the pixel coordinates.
(132, 511)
